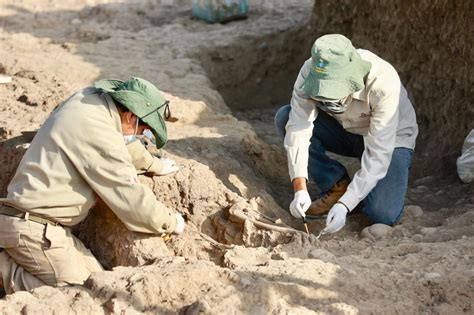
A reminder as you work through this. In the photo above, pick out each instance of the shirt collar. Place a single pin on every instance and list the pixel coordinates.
(360, 95)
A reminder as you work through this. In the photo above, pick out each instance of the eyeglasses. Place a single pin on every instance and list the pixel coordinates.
(167, 112)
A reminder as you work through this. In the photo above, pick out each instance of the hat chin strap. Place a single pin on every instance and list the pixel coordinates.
(136, 127)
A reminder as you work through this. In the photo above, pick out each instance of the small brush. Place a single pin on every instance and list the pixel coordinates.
(305, 225)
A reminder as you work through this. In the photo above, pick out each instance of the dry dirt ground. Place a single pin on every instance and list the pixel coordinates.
(225, 82)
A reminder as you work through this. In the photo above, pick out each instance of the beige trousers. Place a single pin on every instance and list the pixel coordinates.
(36, 254)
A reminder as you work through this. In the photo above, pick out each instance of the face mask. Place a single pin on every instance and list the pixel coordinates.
(333, 106)
(130, 138)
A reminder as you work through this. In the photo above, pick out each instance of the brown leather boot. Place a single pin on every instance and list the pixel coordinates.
(324, 204)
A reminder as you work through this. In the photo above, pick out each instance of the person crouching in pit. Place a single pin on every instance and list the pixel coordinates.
(350, 102)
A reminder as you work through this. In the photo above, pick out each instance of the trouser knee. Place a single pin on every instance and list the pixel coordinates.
(281, 118)
(384, 215)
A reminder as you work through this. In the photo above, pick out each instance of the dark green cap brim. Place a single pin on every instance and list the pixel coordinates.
(141, 104)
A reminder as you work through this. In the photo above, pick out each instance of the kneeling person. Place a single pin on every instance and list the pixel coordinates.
(79, 155)
(350, 102)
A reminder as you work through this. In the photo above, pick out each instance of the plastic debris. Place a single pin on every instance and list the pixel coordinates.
(214, 11)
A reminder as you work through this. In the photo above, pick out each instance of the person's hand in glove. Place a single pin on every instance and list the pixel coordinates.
(180, 225)
(336, 218)
(300, 204)
(145, 162)
(168, 166)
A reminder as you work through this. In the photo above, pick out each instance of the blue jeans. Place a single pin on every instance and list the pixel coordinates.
(385, 202)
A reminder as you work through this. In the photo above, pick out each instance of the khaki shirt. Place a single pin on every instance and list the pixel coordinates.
(79, 155)
(381, 113)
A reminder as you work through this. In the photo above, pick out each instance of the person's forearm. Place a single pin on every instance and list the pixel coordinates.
(299, 183)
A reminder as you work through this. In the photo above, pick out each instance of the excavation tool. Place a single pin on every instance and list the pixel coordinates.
(304, 220)
(323, 231)
(305, 225)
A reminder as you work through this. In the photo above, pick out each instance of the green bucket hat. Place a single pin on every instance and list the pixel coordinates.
(337, 70)
(144, 100)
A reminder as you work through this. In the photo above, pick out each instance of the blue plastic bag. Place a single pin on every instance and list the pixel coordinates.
(214, 11)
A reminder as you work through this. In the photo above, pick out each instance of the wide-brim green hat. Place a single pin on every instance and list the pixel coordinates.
(337, 70)
(143, 99)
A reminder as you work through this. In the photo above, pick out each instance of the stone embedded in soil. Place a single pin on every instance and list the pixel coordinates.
(413, 211)
(423, 181)
(280, 256)
(401, 231)
(420, 190)
(376, 232)
(321, 254)
(198, 307)
(242, 256)
(418, 238)
(428, 230)
(431, 276)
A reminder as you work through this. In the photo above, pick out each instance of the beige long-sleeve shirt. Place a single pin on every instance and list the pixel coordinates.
(79, 155)
(381, 113)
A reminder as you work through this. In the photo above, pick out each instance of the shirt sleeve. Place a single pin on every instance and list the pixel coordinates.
(380, 140)
(100, 156)
(299, 127)
(142, 160)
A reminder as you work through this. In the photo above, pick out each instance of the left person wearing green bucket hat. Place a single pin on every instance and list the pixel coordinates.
(350, 102)
(86, 150)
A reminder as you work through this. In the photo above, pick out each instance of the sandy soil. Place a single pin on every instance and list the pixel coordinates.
(225, 82)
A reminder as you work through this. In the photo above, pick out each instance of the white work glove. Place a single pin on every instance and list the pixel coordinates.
(300, 204)
(169, 166)
(336, 218)
(179, 229)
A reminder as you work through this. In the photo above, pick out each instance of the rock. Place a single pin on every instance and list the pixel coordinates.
(197, 307)
(423, 181)
(280, 256)
(413, 211)
(428, 230)
(418, 238)
(431, 276)
(421, 190)
(242, 256)
(400, 231)
(376, 232)
(117, 306)
(321, 254)
(76, 21)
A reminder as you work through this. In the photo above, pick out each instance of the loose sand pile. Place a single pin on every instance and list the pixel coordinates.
(241, 252)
